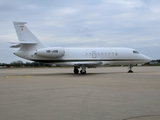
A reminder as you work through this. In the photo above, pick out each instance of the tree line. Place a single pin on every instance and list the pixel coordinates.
(24, 64)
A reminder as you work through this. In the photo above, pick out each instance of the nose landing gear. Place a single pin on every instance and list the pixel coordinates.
(130, 69)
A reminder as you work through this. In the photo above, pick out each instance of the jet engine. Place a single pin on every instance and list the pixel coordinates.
(50, 52)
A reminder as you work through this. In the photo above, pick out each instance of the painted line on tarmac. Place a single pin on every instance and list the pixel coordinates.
(18, 76)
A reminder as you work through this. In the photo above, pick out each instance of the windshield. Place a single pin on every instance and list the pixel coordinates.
(135, 52)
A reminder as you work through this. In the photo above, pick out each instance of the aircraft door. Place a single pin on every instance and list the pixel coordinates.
(94, 54)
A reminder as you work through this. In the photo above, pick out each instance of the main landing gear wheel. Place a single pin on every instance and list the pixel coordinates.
(83, 70)
(130, 69)
(76, 71)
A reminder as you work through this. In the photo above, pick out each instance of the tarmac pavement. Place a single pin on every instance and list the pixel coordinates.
(58, 94)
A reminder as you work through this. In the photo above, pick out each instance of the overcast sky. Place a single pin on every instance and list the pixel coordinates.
(83, 23)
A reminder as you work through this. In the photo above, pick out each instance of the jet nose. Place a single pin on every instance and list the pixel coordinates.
(147, 59)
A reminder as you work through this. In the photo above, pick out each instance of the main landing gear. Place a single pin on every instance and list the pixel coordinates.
(76, 71)
(130, 69)
(83, 70)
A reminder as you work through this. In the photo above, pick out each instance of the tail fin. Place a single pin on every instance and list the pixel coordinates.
(26, 37)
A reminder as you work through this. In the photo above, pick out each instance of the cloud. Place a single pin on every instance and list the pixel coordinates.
(124, 23)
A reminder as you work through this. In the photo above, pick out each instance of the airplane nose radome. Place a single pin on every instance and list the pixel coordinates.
(145, 58)
(148, 59)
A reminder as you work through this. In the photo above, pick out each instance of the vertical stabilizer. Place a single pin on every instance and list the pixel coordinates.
(26, 37)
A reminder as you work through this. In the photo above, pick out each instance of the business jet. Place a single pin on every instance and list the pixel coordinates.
(31, 48)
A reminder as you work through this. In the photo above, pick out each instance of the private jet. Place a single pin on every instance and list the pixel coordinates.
(31, 48)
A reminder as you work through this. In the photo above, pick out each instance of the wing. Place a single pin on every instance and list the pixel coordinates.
(80, 63)
(87, 63)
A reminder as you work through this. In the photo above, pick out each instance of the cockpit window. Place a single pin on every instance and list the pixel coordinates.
(135, 52)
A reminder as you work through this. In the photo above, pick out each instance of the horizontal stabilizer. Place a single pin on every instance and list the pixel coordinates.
(21, 42)
(17, 44)
(20, 23)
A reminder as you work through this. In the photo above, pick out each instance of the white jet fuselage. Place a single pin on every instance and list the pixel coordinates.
(101, 56)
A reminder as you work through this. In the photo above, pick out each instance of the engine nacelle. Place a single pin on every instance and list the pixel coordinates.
(51, 52)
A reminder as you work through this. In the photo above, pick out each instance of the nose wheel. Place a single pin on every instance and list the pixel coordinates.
(130, 69)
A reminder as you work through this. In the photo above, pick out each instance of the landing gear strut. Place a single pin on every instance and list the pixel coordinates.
(130, 69)
(83, 70)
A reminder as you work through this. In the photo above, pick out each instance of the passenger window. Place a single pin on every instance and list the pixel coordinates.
(102, 54)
